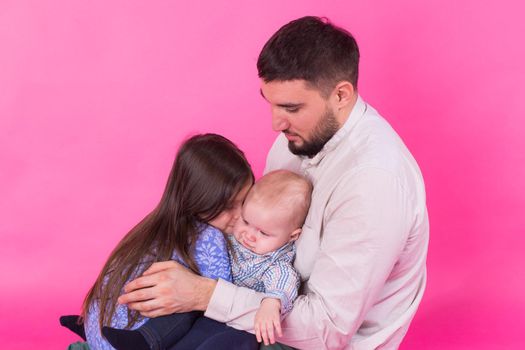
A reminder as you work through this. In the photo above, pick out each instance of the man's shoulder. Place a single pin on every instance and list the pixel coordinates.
(373, 145)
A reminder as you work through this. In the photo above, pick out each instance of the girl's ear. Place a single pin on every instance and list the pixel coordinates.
(295, 234)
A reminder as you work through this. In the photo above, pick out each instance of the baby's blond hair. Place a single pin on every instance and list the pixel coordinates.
(284, 190)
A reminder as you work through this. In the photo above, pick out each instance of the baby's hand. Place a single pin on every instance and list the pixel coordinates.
(267, 318)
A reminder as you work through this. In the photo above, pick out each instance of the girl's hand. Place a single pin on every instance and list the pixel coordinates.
(268, 318)
(165, 288)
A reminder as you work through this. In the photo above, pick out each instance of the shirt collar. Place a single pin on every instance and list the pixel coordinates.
(357, 112)
(271, 255)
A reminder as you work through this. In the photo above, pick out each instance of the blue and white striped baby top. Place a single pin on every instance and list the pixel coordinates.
(272, 273)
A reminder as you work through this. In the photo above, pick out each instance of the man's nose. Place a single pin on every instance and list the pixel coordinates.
(279, 121)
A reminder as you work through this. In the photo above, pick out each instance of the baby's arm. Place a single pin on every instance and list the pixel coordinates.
(281, 283)
(268, 318)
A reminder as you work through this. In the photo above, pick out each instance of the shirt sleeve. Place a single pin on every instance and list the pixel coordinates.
(364, 233)
(281, 281)
(211, 255)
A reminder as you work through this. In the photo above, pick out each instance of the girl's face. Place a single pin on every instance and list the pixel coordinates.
(225, 221)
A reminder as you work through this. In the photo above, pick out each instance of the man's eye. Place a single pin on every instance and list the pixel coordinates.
(292, 110)
(263, 233)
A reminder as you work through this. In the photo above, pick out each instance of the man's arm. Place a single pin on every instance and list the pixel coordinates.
(168, 287)
(151, 294)
(365, 231)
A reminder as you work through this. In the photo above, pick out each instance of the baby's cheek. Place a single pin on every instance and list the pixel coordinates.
(235, 233)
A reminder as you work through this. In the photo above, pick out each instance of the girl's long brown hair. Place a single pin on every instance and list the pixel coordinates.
(208, 172)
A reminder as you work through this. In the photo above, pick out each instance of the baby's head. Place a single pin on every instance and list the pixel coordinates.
(273, 212)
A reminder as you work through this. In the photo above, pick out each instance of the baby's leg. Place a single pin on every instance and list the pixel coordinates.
(156, 334)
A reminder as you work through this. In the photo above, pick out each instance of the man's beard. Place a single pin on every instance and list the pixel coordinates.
(323, 132)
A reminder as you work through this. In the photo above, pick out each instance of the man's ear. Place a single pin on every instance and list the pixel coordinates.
(343, 94)
(295, 234)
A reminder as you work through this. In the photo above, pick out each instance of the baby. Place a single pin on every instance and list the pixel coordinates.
(262, 248)
(261, 253)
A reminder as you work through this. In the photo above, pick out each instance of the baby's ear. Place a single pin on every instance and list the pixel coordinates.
(295, 234)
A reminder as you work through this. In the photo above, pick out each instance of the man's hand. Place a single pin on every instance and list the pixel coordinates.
(165, 288)
(267, 318)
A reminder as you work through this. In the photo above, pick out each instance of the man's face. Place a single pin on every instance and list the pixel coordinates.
(302, 114)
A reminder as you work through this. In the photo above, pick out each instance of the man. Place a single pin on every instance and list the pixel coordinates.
(362, 252)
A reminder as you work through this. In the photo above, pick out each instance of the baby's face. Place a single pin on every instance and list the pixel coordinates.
(263, 230)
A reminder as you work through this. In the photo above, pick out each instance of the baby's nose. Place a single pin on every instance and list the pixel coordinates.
(250, 236)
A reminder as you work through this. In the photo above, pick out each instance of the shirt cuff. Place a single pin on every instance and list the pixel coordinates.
(221, 301)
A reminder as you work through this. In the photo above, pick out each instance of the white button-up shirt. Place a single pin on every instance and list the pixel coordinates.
(362, 252)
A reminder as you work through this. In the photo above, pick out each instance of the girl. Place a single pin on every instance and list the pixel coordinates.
(206, 187)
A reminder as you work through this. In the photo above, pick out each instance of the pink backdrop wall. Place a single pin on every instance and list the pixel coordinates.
(95, 97)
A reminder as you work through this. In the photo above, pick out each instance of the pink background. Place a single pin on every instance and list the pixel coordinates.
(95, 97)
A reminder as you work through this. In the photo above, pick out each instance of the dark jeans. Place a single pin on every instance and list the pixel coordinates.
(276, 346)
(207, 334)
(162, 332)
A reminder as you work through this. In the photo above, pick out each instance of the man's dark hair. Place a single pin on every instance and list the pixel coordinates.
(312, 49)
